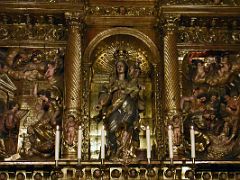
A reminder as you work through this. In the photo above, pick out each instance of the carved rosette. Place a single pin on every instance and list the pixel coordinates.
(72, 70)
(171, 73)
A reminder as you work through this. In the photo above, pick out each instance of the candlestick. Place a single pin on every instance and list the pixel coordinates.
(57, 143)
(192, 139)
(148, 144)
(103, 142)
(79, 150)
(170, 141)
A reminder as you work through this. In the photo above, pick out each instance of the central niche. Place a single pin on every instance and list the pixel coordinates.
(105, 57)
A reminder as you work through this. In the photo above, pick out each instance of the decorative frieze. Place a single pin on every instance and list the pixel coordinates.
(210, 30)
(120, 11)
(29, 27)
(210, 36)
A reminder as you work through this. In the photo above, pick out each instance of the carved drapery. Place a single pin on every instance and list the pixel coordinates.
(171, 73)
(72, 70)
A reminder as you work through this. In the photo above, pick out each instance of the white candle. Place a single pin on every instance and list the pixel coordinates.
(79, 151)
(57, 143)
(103, 141)
(192, 139)
(170, 141)
(148, 143)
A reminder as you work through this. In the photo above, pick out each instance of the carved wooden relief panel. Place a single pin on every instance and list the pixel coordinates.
(210, 102)
(35, 77)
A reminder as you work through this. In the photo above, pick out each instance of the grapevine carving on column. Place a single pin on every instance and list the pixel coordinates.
(72, 72)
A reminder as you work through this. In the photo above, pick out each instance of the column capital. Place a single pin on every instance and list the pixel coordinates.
(170, 22)
(74, 18)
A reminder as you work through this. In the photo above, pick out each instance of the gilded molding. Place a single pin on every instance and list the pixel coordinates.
(44, 1)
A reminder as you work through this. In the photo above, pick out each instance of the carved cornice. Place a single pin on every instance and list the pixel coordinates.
(198, 11)
(120, 11)
(44, 1)
(42, 6)
(213, 21)
(201, 2)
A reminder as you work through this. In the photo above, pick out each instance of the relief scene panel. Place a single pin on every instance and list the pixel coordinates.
(210, 102)
(34, 79)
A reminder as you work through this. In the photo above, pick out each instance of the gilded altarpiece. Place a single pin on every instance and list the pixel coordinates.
(56, 65)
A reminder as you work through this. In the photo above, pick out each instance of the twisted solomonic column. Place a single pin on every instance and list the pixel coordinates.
(171, 68)
(171, 79)
(73, 81)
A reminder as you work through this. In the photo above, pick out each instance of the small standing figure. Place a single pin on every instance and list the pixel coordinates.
(176, 123)
(51, 68)
(200, 75)
(70, 127)
(11, 125)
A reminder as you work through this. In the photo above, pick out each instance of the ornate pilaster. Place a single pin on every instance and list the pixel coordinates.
(171, 68)
(73, 80)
